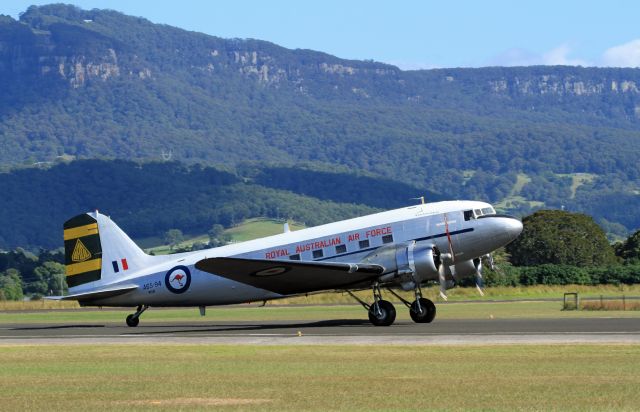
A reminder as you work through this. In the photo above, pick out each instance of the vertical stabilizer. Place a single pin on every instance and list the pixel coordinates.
(98, 252)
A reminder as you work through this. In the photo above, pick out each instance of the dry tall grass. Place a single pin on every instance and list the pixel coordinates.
(37, 305)
(610, 305)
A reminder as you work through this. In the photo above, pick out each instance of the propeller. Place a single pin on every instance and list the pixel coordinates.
(443, 282)
(489, 257)
(479, 280)
(446, 229)
(442, 275)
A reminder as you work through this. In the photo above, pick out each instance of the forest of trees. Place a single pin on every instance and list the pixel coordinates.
(147, 199)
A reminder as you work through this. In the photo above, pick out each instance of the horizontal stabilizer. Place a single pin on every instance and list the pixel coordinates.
(290, 277)
(95, 294)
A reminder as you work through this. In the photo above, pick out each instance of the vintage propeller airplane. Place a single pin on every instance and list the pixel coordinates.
(402, 248)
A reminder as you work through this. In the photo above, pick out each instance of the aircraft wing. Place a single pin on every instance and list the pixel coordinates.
(290, 277)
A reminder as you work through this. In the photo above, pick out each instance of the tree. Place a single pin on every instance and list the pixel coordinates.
(629, 250)
(53, 276)
(10, 285)
(559, 237)
(215, 233)
(173, 237)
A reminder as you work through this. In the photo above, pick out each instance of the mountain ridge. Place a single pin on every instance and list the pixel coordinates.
(100, 84)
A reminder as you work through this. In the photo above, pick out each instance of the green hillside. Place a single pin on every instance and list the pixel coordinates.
(100, 84)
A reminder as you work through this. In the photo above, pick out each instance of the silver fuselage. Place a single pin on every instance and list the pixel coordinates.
(442, 225)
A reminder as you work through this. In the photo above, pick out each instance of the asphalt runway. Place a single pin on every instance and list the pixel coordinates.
(350, 331)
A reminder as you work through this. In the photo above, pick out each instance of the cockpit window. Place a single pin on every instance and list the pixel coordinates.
(478, 212)
(468, 214)
(488, 211)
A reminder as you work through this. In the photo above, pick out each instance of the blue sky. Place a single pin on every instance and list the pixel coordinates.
(412, 34)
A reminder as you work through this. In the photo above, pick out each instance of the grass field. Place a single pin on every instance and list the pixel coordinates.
(253, 312)
(322, 378)
(256, 228)
(247, 230)
(455, 294)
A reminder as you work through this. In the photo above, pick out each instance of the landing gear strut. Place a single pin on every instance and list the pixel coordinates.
(134, 318)
(421, 310)
(381, 312)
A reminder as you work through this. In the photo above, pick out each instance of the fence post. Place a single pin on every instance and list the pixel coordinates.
(624, 303)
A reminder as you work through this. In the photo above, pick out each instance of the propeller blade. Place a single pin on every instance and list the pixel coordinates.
(479, 279)
(446, 229)
(490, 260)
(443, 282)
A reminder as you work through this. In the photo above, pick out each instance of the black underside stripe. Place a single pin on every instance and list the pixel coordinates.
(82, 278)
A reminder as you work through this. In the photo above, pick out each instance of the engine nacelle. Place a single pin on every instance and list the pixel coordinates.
(416, 264)
(407, 263)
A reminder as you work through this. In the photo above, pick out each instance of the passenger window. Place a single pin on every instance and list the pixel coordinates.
(364, 244)
(341, 249)
(294, 257)
(468, 214)
(317, 254)
(387, 239)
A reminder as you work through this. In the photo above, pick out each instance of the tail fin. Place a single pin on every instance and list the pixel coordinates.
(98, 252)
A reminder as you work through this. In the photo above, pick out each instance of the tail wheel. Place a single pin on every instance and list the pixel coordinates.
(132, 321)
(426, 315)
(382, 313)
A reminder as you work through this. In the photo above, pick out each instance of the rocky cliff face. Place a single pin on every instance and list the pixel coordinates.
(558, 85)
(80, 47)
(26, 53)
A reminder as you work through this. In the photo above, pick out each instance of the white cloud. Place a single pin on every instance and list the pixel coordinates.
(408, 65)
(624, 55)
(560, 57)
(521, 57)
(515, 57)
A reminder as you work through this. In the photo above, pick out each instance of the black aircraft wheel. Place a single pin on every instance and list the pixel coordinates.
(384, 316)
(132, 321)
(428, 311)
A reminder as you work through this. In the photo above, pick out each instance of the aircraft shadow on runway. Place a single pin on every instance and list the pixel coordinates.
(251, 327)
(57, 327)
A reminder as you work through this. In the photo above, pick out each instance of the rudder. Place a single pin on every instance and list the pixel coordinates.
(82, 250)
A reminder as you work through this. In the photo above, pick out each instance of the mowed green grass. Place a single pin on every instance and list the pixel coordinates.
(320, 378)
(272, 312)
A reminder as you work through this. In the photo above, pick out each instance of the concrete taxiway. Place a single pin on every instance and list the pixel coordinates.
(359, 332)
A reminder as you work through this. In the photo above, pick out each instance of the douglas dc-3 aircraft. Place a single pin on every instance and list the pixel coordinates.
(402, 248)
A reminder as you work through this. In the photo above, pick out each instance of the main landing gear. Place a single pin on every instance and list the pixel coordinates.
(383, 313)
(421, 310)
(134, 318)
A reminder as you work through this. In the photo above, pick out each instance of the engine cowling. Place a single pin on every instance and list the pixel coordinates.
(407, 263)
(417, 264)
